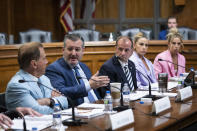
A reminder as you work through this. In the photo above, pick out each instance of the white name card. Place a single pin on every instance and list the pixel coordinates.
(161, 105)
(121, 119)
(184, 93)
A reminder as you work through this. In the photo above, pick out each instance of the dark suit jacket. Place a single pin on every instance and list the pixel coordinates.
(63, 79)
(114, 71)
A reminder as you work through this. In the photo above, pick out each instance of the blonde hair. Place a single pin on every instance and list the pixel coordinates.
(138, 36)
(174, 33)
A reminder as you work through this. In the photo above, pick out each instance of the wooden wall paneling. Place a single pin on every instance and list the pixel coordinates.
(166, 8)
(188, 16)
(96, 53)
(4, 16)
(139, 8)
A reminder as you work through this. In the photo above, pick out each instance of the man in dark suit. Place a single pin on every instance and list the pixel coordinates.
(119, 68)
(73, 78)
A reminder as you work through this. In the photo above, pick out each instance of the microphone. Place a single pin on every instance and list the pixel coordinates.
(149, 87)
(172, 63)
(190, 79)
(69, 122)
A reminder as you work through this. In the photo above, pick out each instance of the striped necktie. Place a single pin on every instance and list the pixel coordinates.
(128, 76)
(80, 81)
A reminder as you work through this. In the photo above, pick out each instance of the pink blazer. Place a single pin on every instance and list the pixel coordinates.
(166, 67)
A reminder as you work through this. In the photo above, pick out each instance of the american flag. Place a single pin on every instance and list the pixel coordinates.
(66, 15)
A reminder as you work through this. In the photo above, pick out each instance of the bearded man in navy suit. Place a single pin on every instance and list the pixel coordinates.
(114, 68)
(72, 77)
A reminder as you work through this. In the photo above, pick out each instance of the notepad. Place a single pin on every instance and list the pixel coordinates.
(84, 113)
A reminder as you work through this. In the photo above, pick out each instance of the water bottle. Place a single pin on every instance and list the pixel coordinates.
(108, 102)
(110, 37)
(180, 82)
(57, 119)
(126, 94)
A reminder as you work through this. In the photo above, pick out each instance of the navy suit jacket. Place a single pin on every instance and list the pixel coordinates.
(63, 79)
(114, 71)
(162, 35)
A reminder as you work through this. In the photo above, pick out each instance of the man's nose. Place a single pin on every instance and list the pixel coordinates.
(73, 52)
(123, 52)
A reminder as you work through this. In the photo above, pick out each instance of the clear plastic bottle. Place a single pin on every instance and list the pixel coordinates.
(111, 37)
(126, 94)
(57, 119)
(180, 82)
(108, 102)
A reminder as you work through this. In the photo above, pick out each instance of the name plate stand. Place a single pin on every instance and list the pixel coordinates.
(121, 119)
(184, 93)
(161, 105)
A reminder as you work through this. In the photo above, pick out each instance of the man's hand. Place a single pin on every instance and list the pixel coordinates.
(98, 81)
(4, 120)
(27, 111)
(44, 101)
(55, 93)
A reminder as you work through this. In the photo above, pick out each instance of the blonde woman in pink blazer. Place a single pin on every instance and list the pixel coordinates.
(175, 45)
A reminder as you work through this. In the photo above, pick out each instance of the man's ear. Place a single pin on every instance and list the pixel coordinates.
(34, 64)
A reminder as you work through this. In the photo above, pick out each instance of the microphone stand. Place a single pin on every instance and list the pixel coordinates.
(69, 122)
(122, 107)
(153, 97)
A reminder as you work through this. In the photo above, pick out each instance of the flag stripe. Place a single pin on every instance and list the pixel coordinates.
(66, 15)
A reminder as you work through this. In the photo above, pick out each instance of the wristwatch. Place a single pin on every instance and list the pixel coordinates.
(52, 102)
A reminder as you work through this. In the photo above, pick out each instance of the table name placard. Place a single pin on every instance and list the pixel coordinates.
(121, 119)
(161, 105)
(184, 93)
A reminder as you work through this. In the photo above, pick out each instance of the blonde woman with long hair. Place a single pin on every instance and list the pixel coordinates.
(175, 45)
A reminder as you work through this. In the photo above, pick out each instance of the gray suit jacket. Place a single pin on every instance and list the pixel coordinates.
(26, 94)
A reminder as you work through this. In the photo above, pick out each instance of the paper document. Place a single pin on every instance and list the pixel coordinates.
(155, 86)
(137, 95)
(39, 122)
(92, 106)
(84, 113)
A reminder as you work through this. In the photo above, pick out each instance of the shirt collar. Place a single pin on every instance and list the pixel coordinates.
(29, 76)
(123, 63)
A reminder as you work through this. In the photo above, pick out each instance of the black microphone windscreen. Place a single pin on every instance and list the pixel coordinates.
(21, 81)
(160, 59)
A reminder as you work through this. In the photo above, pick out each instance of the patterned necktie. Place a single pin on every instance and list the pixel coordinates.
(80, 81)
(128, 76)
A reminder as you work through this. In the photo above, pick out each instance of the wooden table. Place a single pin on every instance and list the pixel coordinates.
(179, 116)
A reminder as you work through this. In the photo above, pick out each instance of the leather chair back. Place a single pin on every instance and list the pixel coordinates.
(192, 34)
(35, 35)
(133, 31)
(88, 35)
(130, 32)
(2, 39)
(184, 32)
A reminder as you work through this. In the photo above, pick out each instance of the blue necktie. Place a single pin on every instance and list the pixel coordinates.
(80, 81)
